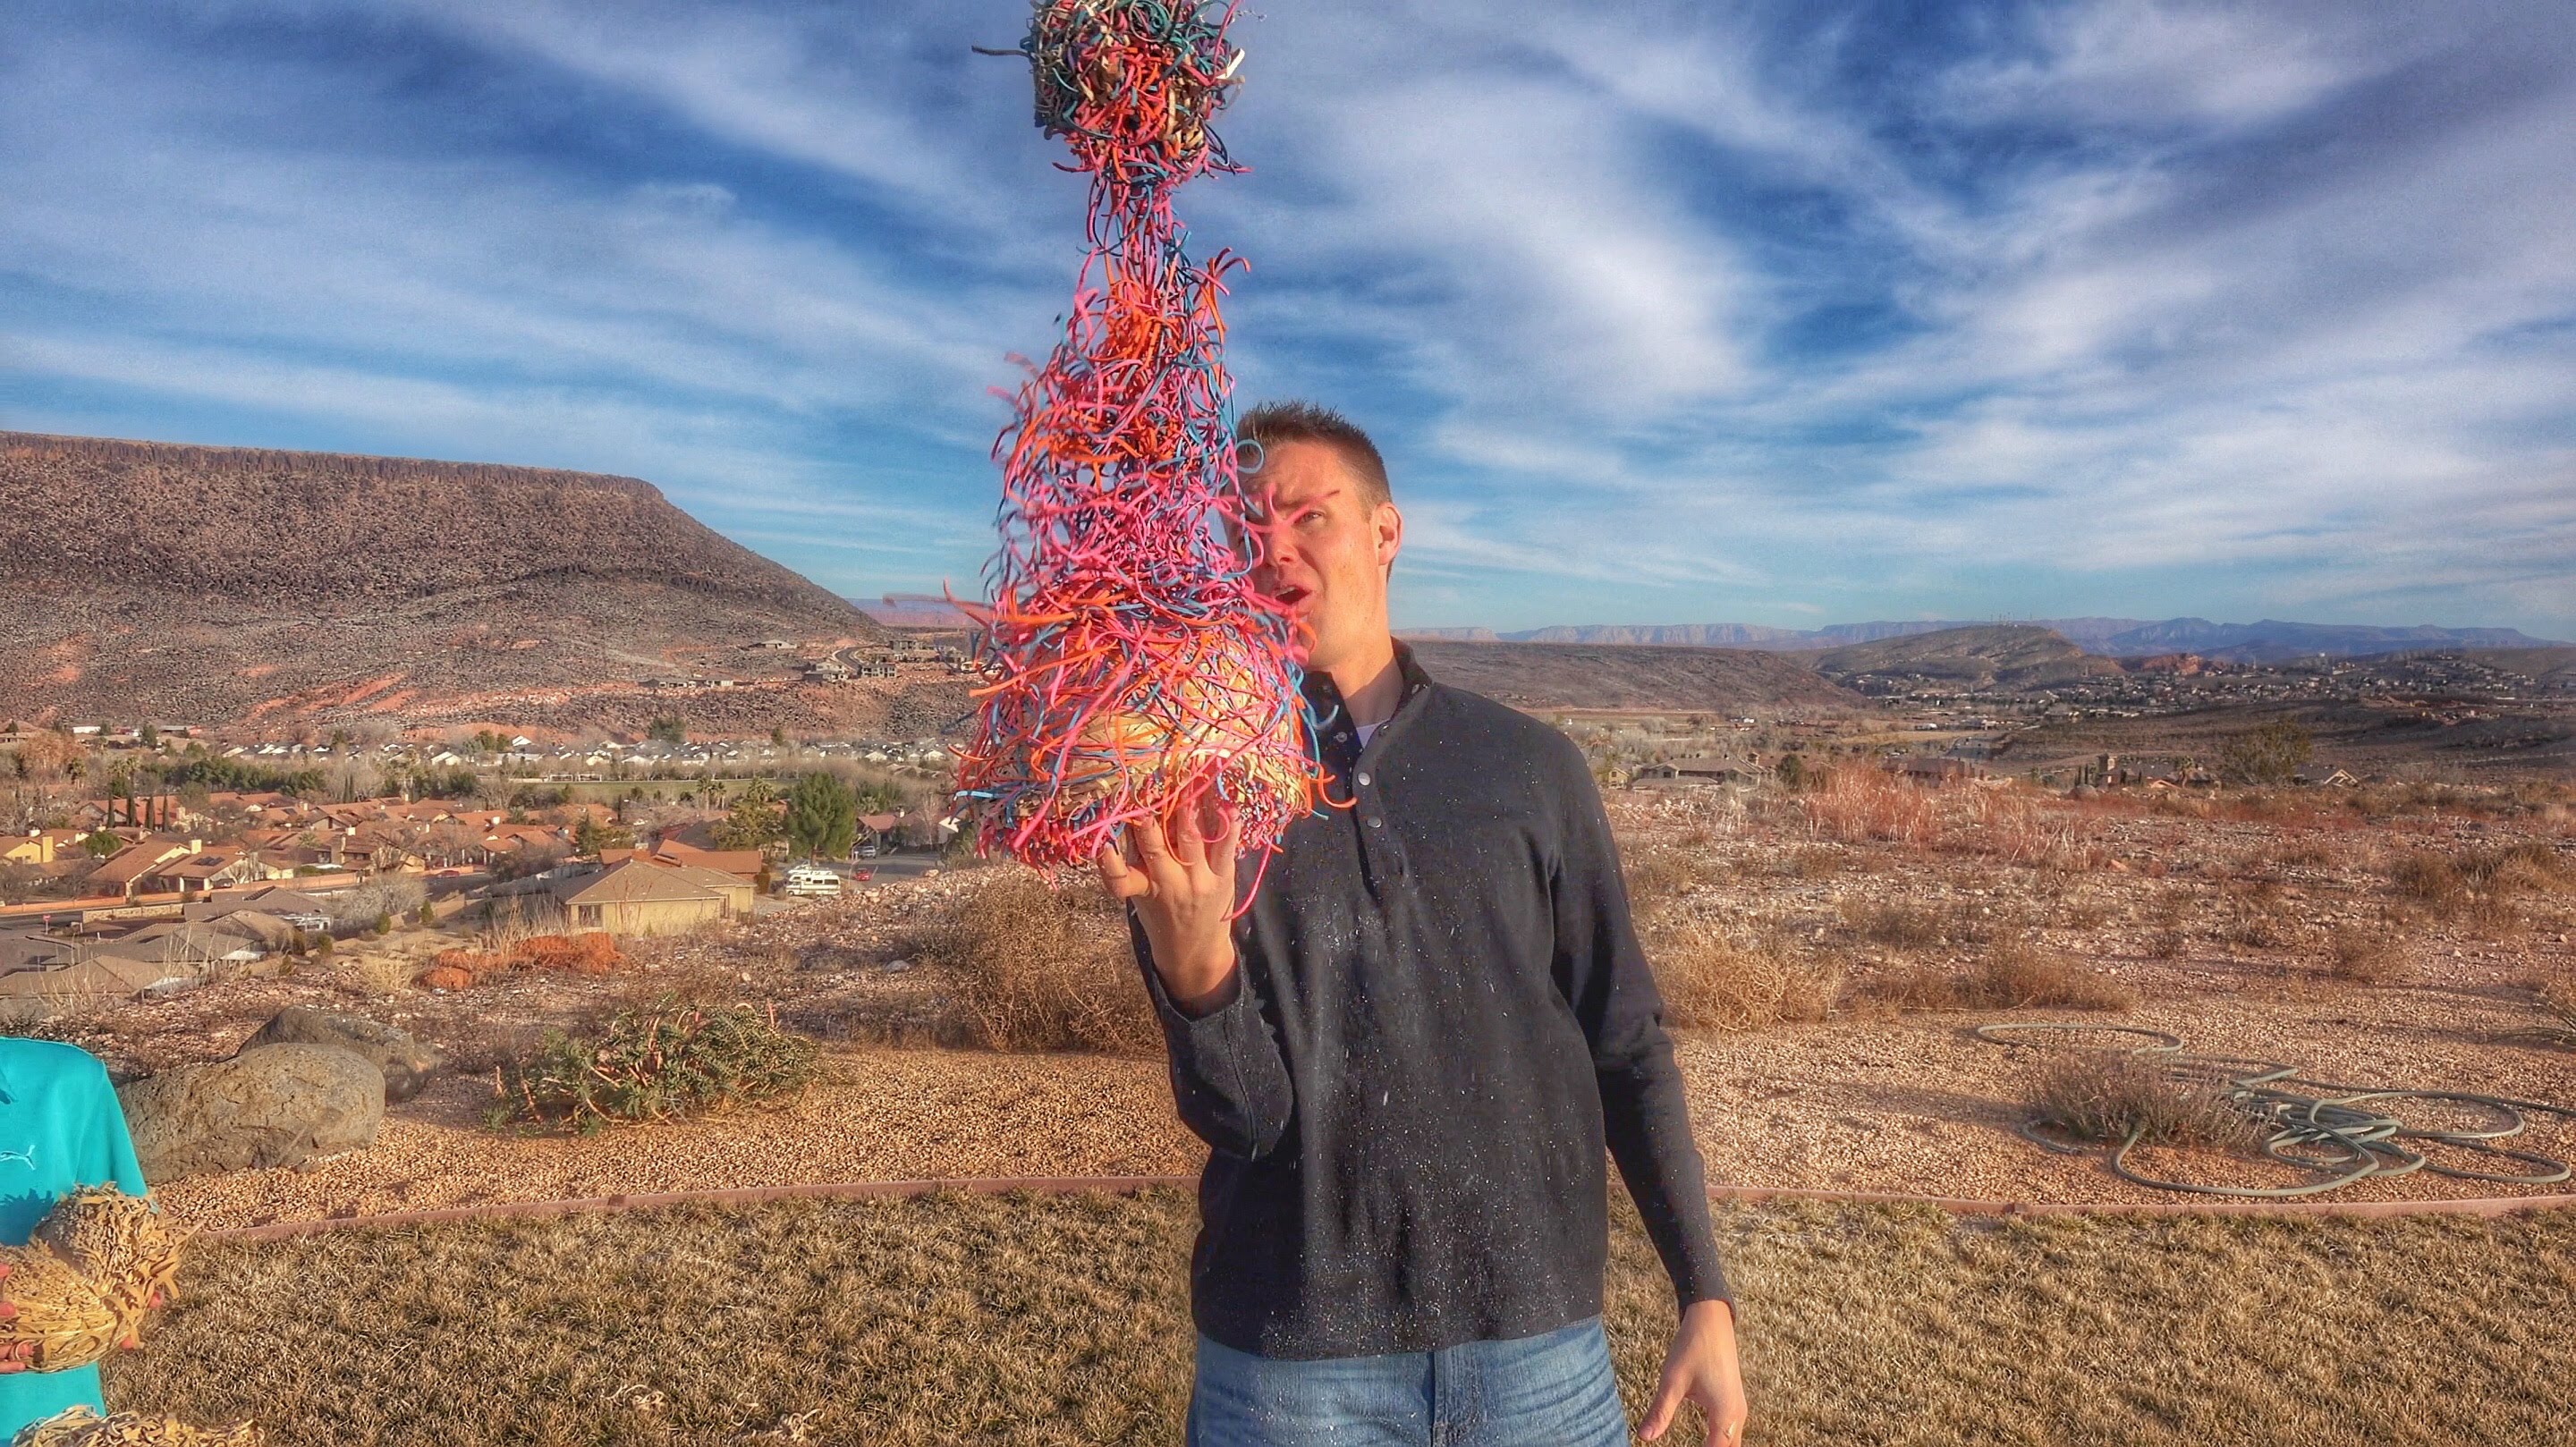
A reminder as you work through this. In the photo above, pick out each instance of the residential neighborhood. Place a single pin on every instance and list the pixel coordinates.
(122, 871)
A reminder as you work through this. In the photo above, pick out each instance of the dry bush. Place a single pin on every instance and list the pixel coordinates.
(2260, 916)
(1813, 861)
(2014, 975)
(1043, 969)
(2087, 914)
(380, 972)
(2478, 882)
(1862, 805)
(2018, 974)
(1709, 982)
(2558, 1003)
(1858, 805)
(1656, 874)
(1900, 925)
(398, 895)
(592, 952)
(2364, 957)
(1896, 924)
(2310, 851)
(2103, 1095)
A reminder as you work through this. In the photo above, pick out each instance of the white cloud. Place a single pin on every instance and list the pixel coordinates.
(1691, 302)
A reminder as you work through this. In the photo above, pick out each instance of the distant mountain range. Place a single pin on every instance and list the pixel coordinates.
(2268, 641)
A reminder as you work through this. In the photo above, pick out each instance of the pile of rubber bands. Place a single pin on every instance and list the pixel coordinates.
(91, 1271)
(1131, 670)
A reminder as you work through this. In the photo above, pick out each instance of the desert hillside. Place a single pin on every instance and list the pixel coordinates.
(2011, 656)
(1632, 676)
(212, 585)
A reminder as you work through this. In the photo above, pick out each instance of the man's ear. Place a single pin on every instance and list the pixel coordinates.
(1390, 533)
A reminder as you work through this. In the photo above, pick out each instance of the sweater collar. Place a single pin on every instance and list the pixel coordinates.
(1327, 696)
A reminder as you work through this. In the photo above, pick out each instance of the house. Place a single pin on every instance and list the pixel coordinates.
(736, 891)
(186, 942)
(1703, 769)
(828, 670)
(1935, 770)
(36, 846)
(222, 867)
(29, 950)
(639, 898)
(743, 864)
(93, 974)
(123, 872)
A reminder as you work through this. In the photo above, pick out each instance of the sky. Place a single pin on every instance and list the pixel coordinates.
(1785, 313)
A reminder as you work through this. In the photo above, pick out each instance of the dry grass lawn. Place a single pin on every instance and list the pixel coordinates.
(1063, 1320)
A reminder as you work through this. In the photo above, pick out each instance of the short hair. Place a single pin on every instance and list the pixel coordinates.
(1273, 423)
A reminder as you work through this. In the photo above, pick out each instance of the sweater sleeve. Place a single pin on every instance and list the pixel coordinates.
(1229, 1079)
(1645, 1114)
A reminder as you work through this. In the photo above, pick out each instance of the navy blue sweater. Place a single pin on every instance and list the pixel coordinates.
(1440, 1019)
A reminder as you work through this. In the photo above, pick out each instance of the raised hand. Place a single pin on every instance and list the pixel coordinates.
(1181, 879)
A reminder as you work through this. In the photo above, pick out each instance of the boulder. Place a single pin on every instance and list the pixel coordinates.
(278, 1105)
(406, 1062)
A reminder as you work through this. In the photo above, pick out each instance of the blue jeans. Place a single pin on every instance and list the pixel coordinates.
(1551, 1390)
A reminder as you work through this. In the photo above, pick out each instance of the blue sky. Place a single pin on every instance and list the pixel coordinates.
(1698, 312)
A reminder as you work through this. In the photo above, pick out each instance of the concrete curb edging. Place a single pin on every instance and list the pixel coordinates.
(1123, 1185)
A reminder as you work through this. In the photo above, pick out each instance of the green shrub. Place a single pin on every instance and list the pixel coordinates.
(651, 1064)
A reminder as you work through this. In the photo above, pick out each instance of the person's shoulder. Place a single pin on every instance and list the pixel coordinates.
(51, 1059)
(1505, 728)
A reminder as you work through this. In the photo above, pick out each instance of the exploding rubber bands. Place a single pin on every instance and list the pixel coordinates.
(1130, 668)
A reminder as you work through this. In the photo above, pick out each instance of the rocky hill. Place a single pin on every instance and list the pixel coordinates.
(1585, 675)
(211, 585)
(2269, 641)
(1999, 656)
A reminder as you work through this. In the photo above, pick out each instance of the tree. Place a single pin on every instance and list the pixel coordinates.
(668, 729)
(822, 817)
(751, 823)
(102, 844)
(590, 836)
(2266, 755)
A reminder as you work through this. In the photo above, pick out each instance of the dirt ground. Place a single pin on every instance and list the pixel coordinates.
(2234, 933)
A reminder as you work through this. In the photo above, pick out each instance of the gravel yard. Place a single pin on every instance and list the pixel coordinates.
(2224, 931)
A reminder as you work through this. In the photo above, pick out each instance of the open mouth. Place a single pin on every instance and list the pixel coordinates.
(1292, 595)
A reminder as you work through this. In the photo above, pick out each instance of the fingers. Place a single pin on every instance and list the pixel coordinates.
(1228, 842)
(1116, 879)
(1189, 839)
(1668, 1400)
(1156, 852)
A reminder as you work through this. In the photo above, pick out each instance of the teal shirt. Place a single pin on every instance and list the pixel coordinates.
(60, 1129)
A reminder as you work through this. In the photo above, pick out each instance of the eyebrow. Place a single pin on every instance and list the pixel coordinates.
(1308, 498)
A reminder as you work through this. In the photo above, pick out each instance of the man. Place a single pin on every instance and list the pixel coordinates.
(1408, 1055)
(60, 1129)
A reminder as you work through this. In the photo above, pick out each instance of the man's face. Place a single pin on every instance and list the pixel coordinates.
(1325, 548)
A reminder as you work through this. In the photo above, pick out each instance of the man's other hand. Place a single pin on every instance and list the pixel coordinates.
(1181, 879)
(1702, 1368)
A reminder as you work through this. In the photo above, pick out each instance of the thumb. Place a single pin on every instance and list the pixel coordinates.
(1668, 1400)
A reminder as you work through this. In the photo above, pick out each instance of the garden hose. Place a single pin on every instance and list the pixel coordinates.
(2315, 1125)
